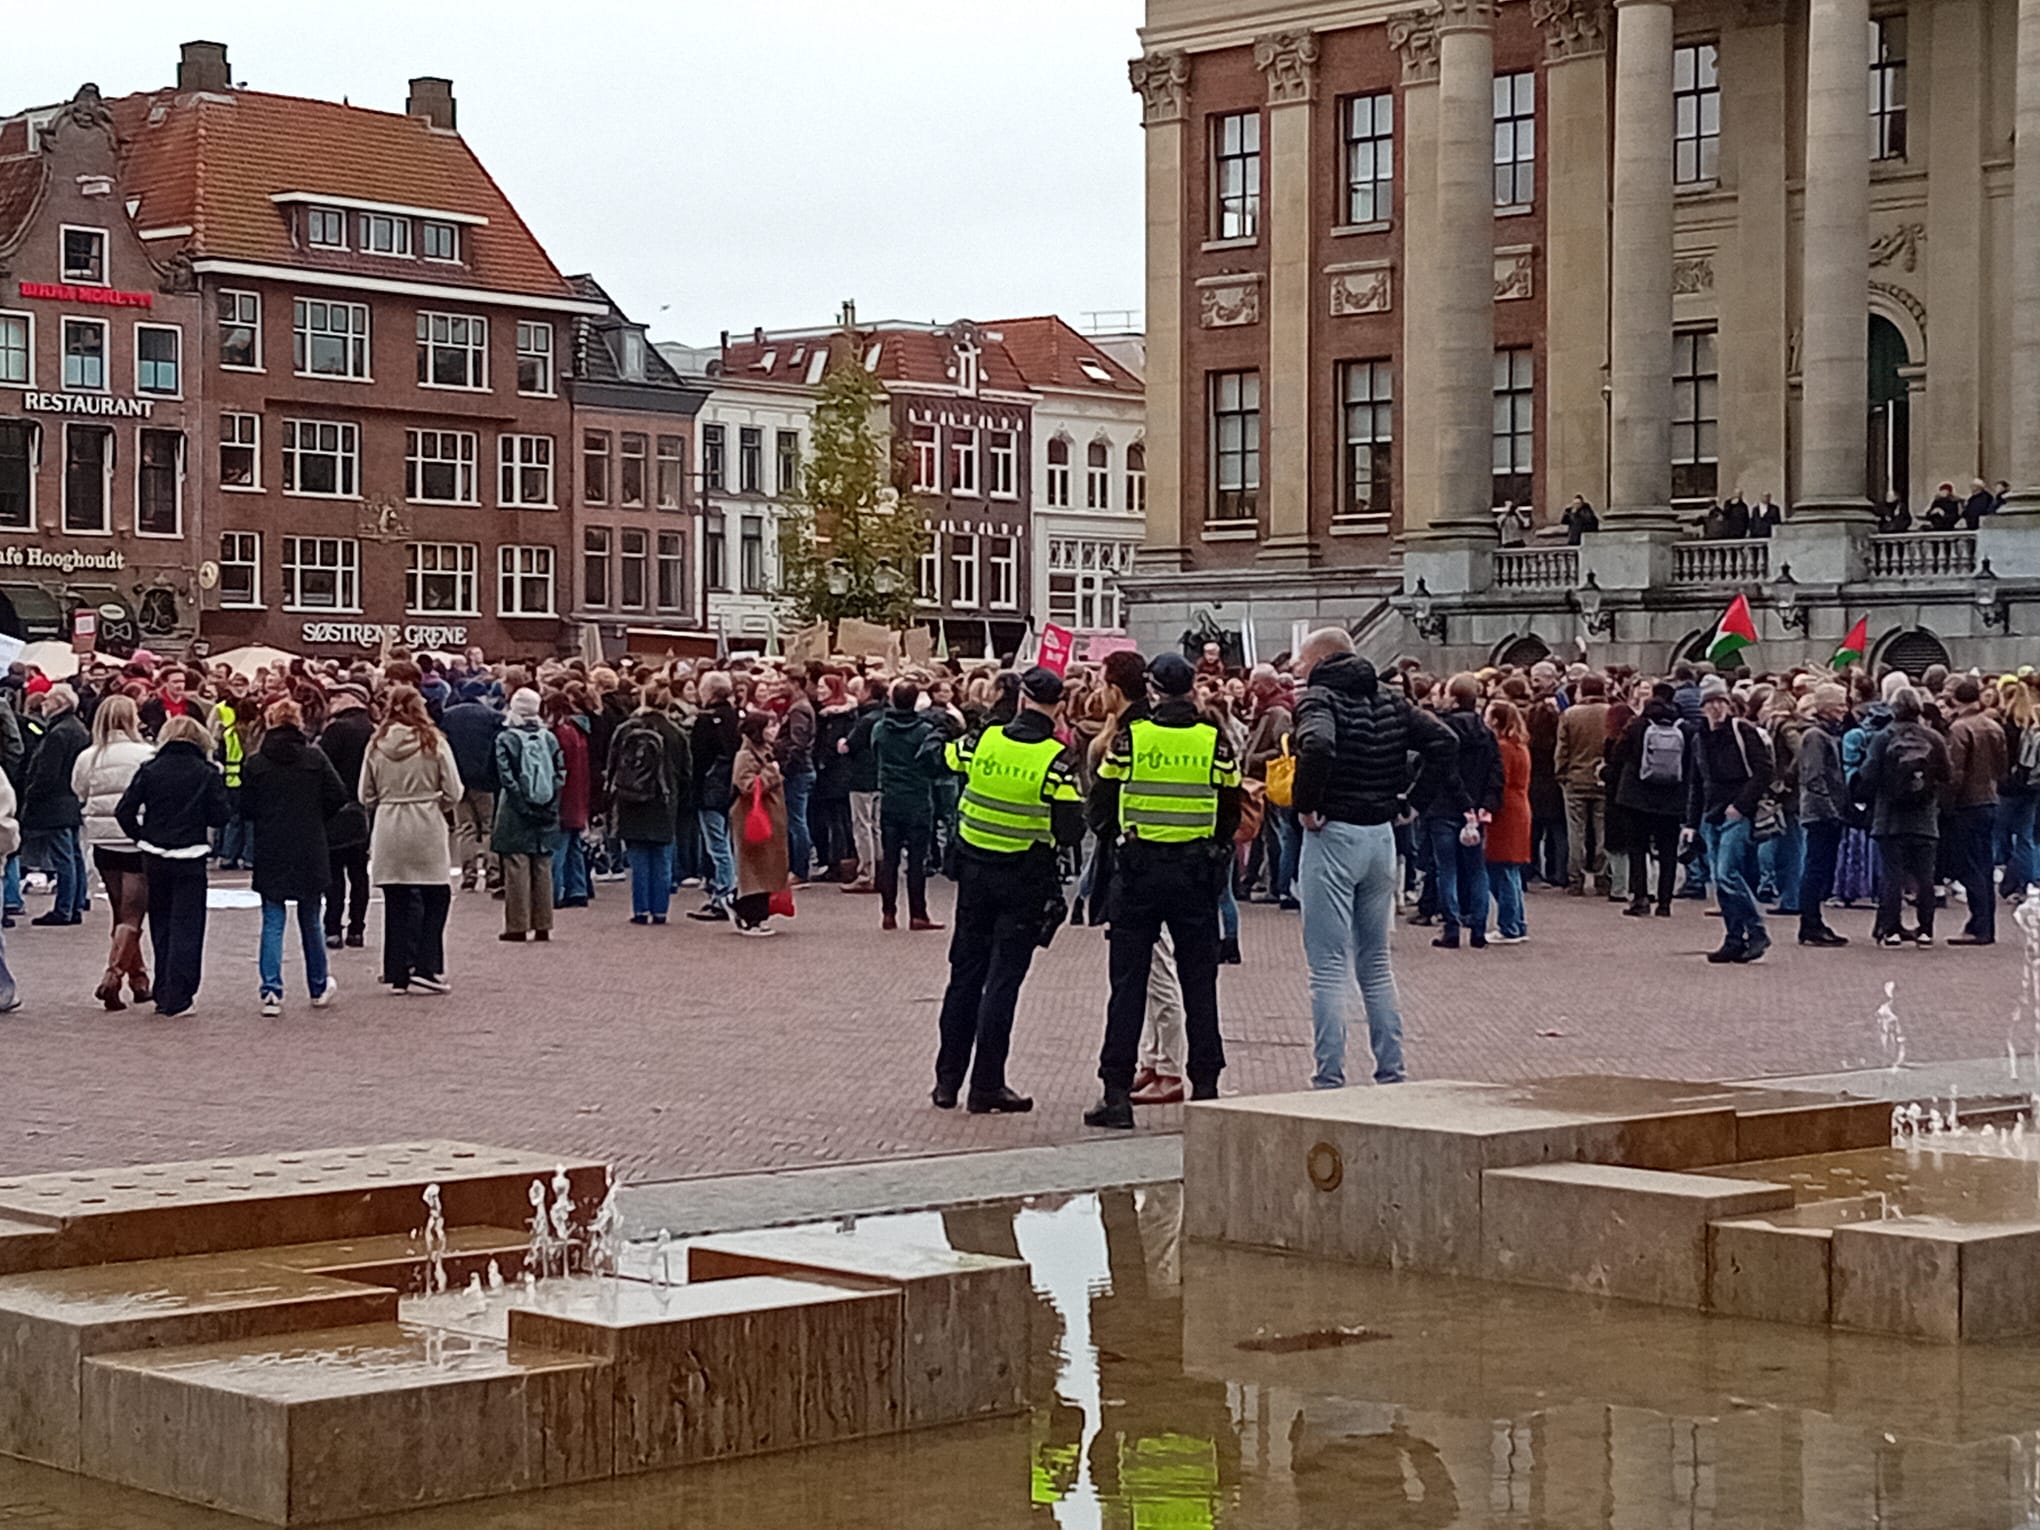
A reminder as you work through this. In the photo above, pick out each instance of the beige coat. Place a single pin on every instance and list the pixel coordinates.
(409, 792)
(760, 868)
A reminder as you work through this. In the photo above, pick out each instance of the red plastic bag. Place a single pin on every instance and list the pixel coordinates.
(781, 903)
(757, 822)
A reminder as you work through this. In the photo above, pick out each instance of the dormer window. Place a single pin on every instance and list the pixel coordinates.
(967, 368)
(630, 354)
(1093, 369)
(325, 228)
(382, 234)
(440, 241)
(85, 255)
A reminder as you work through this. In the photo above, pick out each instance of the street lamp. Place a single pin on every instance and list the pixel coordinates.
(1792, 616)
(838, 577)
(1990, 599)
(886, 579)
(1591, 601)
(1427, 618)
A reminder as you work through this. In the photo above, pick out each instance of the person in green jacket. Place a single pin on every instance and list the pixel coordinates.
(906, 746)
(531, 771)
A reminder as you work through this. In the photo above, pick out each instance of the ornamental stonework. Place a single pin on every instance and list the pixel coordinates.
(1900, 247)
(1572, 28)
(1289, 60)
(1414, 35)
(1228, 302)
(1692, 275)
(1162, 81)
(1515, 274)
(1466, 15)
(1362, 287)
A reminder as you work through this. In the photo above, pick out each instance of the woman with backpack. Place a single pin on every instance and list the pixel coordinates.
(1901, 780)
(1648, 766)
(411, 785)
(530, 769)
(649, 770)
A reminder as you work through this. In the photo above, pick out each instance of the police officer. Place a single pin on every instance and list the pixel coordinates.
(1020, 802)
(1169, 790)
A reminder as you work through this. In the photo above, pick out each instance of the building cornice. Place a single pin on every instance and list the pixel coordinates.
(1202, 26)
(207, 265)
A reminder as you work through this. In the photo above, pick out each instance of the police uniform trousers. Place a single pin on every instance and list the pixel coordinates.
(1156, 886)
(994, 929)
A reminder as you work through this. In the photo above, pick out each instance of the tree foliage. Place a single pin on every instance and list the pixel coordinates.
(848, 510)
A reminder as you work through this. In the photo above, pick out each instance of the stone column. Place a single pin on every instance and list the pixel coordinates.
(1415, 36)
(1575, 444)
(2025, 251)
(1289, 60)
(1835, 276)
(1163, 82)
(1751, 275)
(1464, 275)
(1952, 409)
(1640, 267)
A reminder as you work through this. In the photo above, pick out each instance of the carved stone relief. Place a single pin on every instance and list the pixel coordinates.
(1414, 35)
(1515, 274)
(1228, 302)
(1289, 60)
(1363, 287)
(1692, 275)
(1162, 80)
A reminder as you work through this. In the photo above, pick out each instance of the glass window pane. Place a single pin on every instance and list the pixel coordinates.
(1710, 113)
(1682, 69)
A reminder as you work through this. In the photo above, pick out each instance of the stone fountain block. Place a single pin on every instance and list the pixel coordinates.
(1640, 1234)
(1934, 1277)
(399, 1262)
(345, 1422)
(1798, 1129)
(26, 1246)
(735, 1367)
(216, 1206)
(1777, 1266)
(51, 1322)
(966, 1318)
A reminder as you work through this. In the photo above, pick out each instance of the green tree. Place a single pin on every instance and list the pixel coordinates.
(848, 545)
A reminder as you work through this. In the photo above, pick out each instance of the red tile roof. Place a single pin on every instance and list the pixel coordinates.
(1050, 354)
(909, 355)
(214, 160)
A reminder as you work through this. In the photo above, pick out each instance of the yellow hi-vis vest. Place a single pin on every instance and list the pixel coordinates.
(1169, 781)
(231, 747)
(1007, 790)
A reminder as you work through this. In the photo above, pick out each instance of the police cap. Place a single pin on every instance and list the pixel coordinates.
(1172, 674)
(1042, 686)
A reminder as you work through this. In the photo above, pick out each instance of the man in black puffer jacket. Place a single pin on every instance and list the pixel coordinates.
(1353, 780)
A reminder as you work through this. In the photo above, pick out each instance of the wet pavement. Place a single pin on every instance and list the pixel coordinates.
(1185, 1387)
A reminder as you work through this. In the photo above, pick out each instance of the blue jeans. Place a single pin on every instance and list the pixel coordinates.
(237, 842)
(1728, 853)
(715, 836)
(1780, 860)
(1287, 842)
(651, 877)
(1462, 875)
(10, 890)
(1346, 881)
(1507, 882)
(799, 787)
(311, 933)
(10, 996)
(1228, 907)
(67, 861)
(570, 868)
(2015, 817)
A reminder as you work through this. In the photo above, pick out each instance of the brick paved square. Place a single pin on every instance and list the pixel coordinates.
(686, 1051)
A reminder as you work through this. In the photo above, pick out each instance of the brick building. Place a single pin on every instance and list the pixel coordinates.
(381, 347)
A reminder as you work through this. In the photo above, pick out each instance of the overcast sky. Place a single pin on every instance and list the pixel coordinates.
(722, 163)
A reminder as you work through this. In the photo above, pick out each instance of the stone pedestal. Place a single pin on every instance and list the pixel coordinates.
(1448, 568)
(1824, 551)
(1627, 559)
(2012, 544)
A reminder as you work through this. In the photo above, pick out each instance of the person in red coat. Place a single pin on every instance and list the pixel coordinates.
(1508, 843)
(572, 887)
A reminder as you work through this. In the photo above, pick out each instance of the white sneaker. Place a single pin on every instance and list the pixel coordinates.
(272, 1006)
(756, 931)
(1507, 940)
(430, 984)
(324, 996)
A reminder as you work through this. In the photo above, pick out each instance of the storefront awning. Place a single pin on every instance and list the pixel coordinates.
(30, 613)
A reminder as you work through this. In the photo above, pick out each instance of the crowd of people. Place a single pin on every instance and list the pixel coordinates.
(1157, 791)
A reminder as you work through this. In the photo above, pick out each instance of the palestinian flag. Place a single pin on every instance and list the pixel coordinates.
(1854, 647)
(1736, 632)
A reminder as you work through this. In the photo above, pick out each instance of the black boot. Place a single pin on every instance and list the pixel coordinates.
(1114, 1110)
(1731, 951)
(998, 1102)
(943, 1096)
(1206, 1089)
(1229, 951)
(1638, 908)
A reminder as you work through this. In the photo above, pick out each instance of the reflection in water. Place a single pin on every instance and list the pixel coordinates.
(1162, 1404)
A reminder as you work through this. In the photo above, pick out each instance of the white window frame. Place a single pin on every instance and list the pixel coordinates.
(964, 569)
(762, 585)
(1056, 488)
(373, 223)
(221, 324)
(346, 454)
(176, 484)
(528, 331)
(963, 461)
(71, 273)
(928, 572)
(589, 536)
(785, 486)
(354, 339)
(475, 348)
(318, 214)
(927, 456)
(643, 558)
(253, 447)
(516, 456)
(750, 462)
(1136, 478)
(1002, 572)
(177, 336)
(511, 572)
(346, 573)
(1098, 476)
(465, 461)
(105, 383)
(607, 456)
(465, 572)
(659, 563)
(676, 460)
(642, 457)
(1002, 465)
(451, 230)
(106, 470)
(27, 323)
(32, 434)
(252, 562)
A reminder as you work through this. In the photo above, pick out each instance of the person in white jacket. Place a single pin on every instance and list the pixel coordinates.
(99, 778)
(10, 842)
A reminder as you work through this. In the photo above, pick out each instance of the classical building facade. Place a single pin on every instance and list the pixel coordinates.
(1409, 265)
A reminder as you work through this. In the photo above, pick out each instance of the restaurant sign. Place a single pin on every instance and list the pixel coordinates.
(104, 405)
(372, 634)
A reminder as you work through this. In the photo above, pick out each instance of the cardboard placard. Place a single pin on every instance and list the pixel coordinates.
(865, 640)
(1056, 644)
(84, 630)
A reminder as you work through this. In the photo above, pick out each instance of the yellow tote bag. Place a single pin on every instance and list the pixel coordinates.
(1282, 776)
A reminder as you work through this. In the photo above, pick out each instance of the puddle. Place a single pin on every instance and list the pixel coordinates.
(1200, 1388)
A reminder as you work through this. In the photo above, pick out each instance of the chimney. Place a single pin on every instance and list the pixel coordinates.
(203, 66)
(432, 99)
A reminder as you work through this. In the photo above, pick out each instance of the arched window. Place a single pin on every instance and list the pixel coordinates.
(1915, 652)
(1098, 476)
(1527, 649)
(1059, 472)
(1136, 478)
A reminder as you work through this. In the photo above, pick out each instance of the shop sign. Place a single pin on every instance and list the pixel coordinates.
(63, 560)
(104, 405)
(105, 297)
(374, 634)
